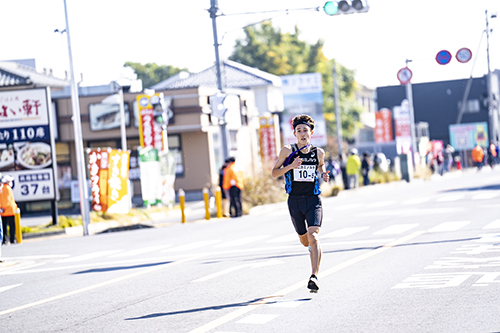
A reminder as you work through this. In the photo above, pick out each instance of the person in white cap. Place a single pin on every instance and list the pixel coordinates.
(8, 208)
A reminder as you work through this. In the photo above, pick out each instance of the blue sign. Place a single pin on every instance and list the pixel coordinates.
(443, 57)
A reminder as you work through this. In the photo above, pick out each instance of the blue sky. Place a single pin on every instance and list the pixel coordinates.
(105, 34)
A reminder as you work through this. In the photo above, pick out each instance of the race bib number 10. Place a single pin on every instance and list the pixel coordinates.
(304, 173)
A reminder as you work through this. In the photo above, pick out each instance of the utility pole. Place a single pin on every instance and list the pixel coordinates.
(337, 107)
(492, 111)
(214, 8)
(409, 97)
(77, 126)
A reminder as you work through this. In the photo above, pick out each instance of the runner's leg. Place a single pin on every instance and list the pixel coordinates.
(313, 238)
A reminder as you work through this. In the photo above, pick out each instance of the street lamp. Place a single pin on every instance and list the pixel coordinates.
(492, 110)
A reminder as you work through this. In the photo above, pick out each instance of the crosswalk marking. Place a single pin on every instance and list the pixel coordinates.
(493, 225)
(88, 256)
(243, 241)
(485, 195)
(452, 197)
(396, 229)
(344, 232)
(139, 251)
(415, 201)
(449, 226)
(192, 246)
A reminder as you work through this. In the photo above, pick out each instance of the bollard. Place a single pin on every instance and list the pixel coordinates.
(182, 201)
(207, 203)
(218, 201)
(19, 232)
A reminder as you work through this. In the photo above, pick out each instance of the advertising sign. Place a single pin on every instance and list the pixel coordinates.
(98, 169)
(118, 199)
(150, 133)
(466, 136)
(149, 163)
(26, 144)
(403, 129)
(303, 94)
(268, 138)
(383, 126)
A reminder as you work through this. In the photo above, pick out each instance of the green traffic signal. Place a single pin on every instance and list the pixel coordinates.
(331, 7)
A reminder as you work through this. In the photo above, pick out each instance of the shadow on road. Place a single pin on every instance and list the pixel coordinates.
(110, 269)
(477, 188)
(257, 301)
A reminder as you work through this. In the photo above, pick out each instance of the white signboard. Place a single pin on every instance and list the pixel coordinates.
(303, 94)
(27, 150)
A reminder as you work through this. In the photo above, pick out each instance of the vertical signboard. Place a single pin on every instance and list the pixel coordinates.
(383, 126)
(118, 199)
(149, 163)
(27, 151)
(403, 129)
(303, 94)
(98, 170)
(268, 138)
(150, 133)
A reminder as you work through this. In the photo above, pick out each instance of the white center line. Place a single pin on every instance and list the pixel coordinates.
(344, 232)
(88, 256)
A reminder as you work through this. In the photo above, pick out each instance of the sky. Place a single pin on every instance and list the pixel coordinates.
(107, 33)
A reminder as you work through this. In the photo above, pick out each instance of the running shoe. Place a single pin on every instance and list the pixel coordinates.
(313, 283)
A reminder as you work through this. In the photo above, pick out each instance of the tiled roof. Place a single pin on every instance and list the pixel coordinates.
(234, 75)
(15, 74)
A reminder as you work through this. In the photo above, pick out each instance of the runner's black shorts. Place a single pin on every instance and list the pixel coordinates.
(305, 209)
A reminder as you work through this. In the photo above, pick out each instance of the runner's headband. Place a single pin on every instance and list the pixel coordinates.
(302, 122)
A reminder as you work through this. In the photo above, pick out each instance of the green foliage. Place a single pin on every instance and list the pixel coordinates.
(151, 73)
(272, 51)
(68, 221)
(262, 190)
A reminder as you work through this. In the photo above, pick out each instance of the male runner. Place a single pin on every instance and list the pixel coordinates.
(300, 163)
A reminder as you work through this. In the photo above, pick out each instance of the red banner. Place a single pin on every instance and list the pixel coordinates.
(383, 126)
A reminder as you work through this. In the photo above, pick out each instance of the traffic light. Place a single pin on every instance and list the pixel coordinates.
(217, 104)
(160, 109)
(345, 7)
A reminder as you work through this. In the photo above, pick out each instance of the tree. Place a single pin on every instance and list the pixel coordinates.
(151, 73)
(268, 49)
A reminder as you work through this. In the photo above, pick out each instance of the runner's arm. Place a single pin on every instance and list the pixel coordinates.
(321, 165)
(278, 169)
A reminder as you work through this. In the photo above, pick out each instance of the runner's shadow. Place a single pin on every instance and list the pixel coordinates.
(110, 269)
(257, 301)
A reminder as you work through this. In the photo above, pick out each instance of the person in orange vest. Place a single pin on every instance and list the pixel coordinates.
(478, 156)
(234, 182)
(8, 209)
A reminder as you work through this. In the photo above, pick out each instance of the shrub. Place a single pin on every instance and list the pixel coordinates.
(261, 190)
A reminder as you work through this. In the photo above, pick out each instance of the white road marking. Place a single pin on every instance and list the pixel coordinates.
(396, 229)
(235, 268)
(381, 204)
(243, 241)
(485, 195)
(493, 225)
(88, 256)
(99, 285)
(139, 251)
(287, 304)
(449, 226)
(285, 238)
(452, 197)
(192, 246)
(2, 289)
(344, 232)
(433, 281)
(257, 319)
(415, 201)
(411, 212)
(254, 305)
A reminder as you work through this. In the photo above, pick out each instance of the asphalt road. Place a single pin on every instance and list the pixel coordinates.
(418, 257)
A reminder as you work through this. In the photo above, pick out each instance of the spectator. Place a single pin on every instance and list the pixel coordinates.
(353, 168)
(343, 163)
(492, 155)
(8, 209)
(478, 156)
(448, 157)
(365, 168)
(234, 182)
(225, 196)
